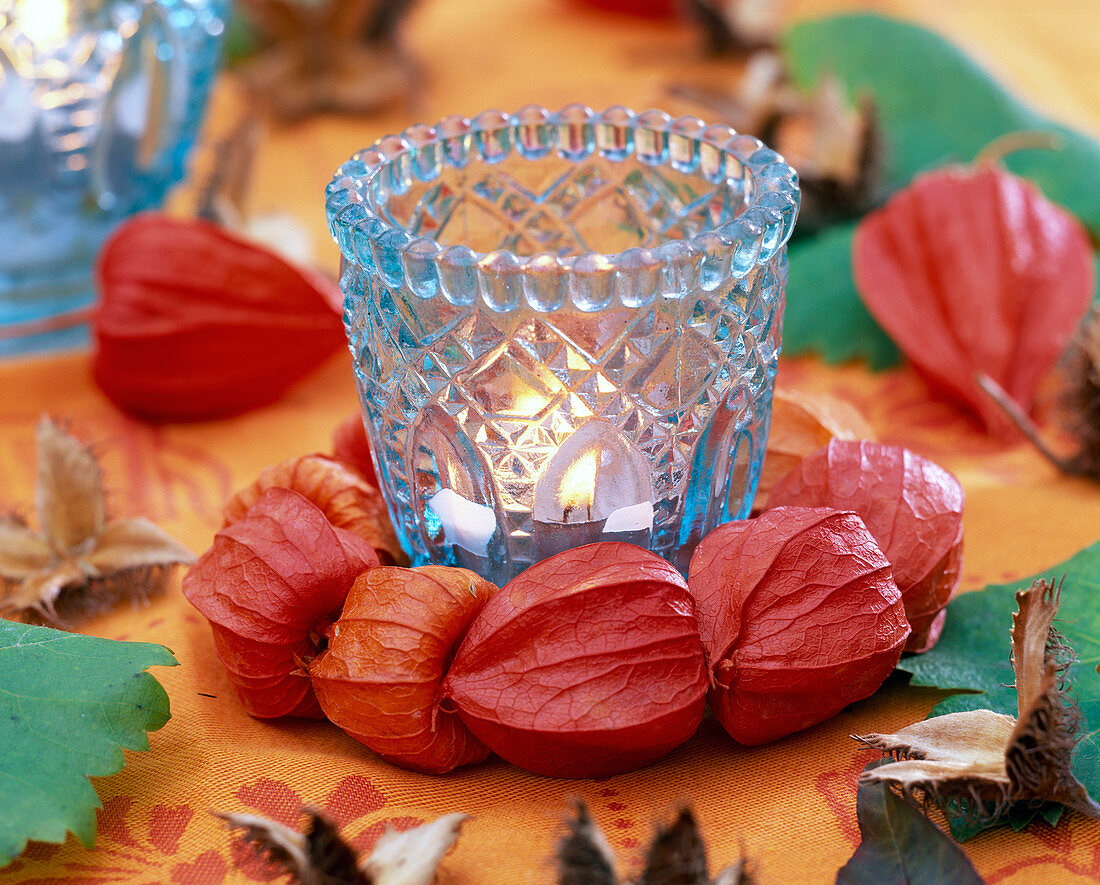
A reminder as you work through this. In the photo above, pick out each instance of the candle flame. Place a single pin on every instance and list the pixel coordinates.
(578, 485)
(45, 22)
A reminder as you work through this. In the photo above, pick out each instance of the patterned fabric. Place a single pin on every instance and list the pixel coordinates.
(791, 805)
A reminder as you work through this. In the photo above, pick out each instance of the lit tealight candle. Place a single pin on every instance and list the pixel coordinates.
(596, 487)
(574, 527)
(578, 489)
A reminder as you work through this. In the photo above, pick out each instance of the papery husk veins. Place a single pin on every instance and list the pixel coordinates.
(990, 759)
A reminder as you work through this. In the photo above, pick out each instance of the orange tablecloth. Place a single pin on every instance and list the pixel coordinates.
(790, 806)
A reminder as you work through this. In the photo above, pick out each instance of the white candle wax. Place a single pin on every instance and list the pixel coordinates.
(635, 518)
(465, 524)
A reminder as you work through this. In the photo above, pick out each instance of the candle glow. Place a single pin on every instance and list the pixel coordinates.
(578, 487)
(588, 367)
(45, 22)
(528, 402)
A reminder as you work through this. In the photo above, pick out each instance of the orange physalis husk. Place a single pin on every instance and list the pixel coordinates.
(801, 423)
(1080, 405)
(350, 445)
(379, 679)
(342, 495)
(988, 760)
(972, 271)
(585, 665)
(912, 507)
(195, 322)
(799, 617)
(270, 586)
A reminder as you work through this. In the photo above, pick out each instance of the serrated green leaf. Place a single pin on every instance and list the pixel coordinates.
(1051, 813)
(966, 826)
(824, 314)
(900, 846)
(973, 653)
(69, 705)
(905, 68)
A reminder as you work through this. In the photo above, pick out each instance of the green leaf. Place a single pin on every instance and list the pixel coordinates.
(824, 314)
(966, 826)
(904, 67)
(69, 705)
(901, 65)
(241, 41)
(901, 846)
(973, 655)
(1051, 812)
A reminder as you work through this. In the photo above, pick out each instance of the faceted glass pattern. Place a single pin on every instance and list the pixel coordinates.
(513, 278)
(99, 104)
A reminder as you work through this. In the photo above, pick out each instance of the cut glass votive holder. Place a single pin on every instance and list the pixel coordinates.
(100, 101)
(564, 328)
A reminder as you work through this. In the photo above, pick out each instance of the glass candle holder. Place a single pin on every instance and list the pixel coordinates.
(564, 326)
(100, 101)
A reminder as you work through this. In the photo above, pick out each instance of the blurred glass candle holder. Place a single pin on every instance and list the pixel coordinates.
(564, 327)
(100, 101)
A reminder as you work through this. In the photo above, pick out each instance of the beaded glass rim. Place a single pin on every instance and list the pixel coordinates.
(504, 279)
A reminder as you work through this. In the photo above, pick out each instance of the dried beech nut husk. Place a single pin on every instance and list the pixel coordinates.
(388, 652)
(345, 498)
(270, 586)
(982, 762)
(911, 505)
(587, 664)
(799, 617)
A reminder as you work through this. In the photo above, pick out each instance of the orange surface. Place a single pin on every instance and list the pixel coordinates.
(790, 806)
